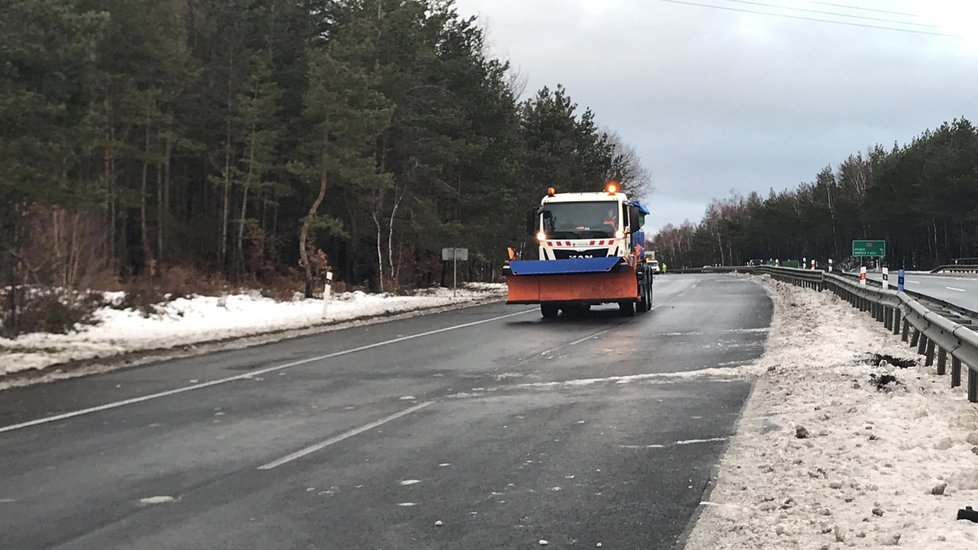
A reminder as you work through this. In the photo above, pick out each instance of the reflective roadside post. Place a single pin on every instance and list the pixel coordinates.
(814, 263)
(862, 276)
(886, 278)
(900, 279)
(830, 265)
(327, 292)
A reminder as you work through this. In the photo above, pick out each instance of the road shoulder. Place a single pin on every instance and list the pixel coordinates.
(832, 452)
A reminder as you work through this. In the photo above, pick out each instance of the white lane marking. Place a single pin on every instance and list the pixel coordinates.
(596, 334)
(955, 289)
(245, 376)
(345, 435)
(682, 442)
(913, 282)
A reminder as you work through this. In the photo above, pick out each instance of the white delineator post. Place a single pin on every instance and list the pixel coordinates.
(830, 265)
(813, 265)
(886, 278)
(862, 275)
(327, 292)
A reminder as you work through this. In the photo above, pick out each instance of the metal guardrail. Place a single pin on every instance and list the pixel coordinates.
(955, 268)
(934, 335)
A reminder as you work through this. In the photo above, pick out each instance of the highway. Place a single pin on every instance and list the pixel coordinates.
(484, 427)
(960, 290)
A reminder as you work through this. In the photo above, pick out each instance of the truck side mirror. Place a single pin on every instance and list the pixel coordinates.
(531, 221)
(634, 219)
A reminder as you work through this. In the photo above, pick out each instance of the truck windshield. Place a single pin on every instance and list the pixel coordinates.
(581, 220)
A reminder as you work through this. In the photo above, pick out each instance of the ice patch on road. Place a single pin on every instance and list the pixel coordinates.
(162, 499)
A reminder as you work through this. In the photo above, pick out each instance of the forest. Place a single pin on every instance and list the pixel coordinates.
(169, 143)
(921, 197)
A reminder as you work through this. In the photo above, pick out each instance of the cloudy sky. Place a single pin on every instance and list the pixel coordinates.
(716, 100)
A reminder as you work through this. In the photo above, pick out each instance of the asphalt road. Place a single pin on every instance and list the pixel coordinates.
(480, 428)
(960, 290)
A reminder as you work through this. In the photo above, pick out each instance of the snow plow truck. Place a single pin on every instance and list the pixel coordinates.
(591, 251)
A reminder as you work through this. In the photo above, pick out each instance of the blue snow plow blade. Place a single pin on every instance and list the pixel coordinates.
(564, 267)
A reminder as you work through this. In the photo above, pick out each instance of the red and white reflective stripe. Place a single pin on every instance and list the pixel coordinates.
(592, 243)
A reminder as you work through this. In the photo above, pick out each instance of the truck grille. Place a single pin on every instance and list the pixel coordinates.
(589, 253)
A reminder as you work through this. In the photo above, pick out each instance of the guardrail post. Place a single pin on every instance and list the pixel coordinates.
(929, 353)
(941, 361)
(915, 339)
(906, 330)
(896, 320)
(922, 344)
(955, 372)
(888, 318)
(972, 385)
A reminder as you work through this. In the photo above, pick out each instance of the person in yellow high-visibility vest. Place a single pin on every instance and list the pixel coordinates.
(664, 267)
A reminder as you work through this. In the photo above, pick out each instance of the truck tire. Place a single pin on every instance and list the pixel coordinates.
(549, 311)
(627, 309)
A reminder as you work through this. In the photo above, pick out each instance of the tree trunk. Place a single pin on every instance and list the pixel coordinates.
(226, 206)
(311, 215)
(108, 167)
(380, 256)
(239, 260)
(148, 261)
(394, 267)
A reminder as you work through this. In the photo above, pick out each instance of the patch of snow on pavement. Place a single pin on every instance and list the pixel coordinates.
(188, 321)
(823, 459)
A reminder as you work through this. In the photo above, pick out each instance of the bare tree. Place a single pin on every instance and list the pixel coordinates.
(627, 168)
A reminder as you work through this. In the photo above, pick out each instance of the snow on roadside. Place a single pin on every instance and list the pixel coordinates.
(210, 318)
(868, 469)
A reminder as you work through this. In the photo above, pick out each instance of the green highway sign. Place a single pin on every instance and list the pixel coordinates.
(871, 249)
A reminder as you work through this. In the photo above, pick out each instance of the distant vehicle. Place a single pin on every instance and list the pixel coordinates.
(654, 266)
(590, 250)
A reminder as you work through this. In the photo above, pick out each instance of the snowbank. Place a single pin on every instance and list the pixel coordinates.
(823, 459)
(202, 319)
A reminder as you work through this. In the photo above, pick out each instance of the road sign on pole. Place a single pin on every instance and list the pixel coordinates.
(454, 255)
(869, 249)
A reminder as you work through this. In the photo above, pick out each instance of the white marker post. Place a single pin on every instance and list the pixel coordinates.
(862, 276)
(327, 292)
(813, 265)
(886, 278)
(830, 265)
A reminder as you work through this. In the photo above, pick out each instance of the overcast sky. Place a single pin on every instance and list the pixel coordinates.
(717, 100)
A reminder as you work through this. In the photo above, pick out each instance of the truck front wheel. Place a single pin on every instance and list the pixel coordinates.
(627, 309)
(549, 311)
